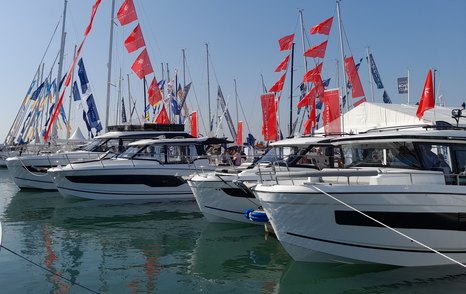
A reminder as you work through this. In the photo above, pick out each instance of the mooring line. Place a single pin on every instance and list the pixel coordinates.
(390, 228)
(48, 270)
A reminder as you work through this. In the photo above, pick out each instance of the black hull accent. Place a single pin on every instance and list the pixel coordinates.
(404, 220)
(148, 180)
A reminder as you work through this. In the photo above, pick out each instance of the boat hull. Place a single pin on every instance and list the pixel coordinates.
(312, 226)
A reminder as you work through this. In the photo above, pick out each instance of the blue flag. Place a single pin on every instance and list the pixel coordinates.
(61, 82)
(326, 82)
(386, 98)
(123, 111)
(88, 126)
(375, 73)
(76, 95)
(82, 76)
(37, 92)
(92, 113)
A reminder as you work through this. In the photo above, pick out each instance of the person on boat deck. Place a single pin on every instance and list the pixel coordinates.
(406, 156)
(236, 157)
(431, 160)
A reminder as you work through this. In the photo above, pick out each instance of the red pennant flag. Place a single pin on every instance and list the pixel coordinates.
(135, 40)
(427, 99)
(323, 28)
(283, 65)
(162, 118)
(127, 13)
(239, 135)
(278, 87)
(352, 72)
(142, 65)
(94, 10)
(194, 124)
(269, 117)
(331, 112)
(286, 42)
(313, 74)
(311, 122)
(154, 92)
(317, 51)
(316, 91)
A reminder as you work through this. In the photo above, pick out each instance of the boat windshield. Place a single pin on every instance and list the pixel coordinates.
(278, 153)
(92, 146)
(381, 154)
(170, 153)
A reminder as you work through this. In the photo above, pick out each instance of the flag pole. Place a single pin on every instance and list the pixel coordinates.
(409, 90)
(291, 92)
(371, 83)
(145, 97)
(345, 89)
(109, 65)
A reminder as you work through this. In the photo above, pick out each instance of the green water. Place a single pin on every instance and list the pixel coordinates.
(170, 248)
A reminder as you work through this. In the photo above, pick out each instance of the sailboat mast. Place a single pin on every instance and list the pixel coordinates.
(68, 129)
(236, 98)
(345, 92)
(208, 88)
(291, 91)
(109, 65)
(184, 68)
(302, 37)
(60, 67)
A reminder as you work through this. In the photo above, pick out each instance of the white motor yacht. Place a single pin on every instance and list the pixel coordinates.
(30, 171)
(224, 195)
(400, 200)
(152, 170)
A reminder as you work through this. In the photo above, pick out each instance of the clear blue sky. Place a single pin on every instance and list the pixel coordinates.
(243, 42)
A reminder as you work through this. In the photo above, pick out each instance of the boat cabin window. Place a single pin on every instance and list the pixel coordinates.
(178, 153)
(435, 157)
(278, 153)
(315, 157)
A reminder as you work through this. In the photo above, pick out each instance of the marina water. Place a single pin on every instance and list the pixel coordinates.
(112, 247)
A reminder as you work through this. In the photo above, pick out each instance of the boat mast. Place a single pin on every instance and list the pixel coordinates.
(109, 65)
(302, 37)
(345, 90)
(208, 89)
(291, 92)
(68, 129)
(184, 68)
(60, 68)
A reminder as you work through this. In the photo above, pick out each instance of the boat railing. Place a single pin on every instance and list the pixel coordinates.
(267, 170)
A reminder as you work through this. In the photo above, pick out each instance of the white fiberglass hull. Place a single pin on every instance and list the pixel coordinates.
(30, 171)
(314, 227)
(121, 179)
(220, 198)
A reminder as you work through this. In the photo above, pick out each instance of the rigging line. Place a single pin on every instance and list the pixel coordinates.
(244, 115)
(195, 97)
(50, 42)
(390, 228)
(48, 270)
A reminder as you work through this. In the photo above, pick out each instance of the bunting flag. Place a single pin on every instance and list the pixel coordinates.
(331, 112)
(278, 87)
(154, 92)
(427, 99)
(286, 42)
(76, 95)
(316, 91)
(37, 92)
(283, 65)
(82, 76)
(352, 72)
(93, 114)
(239, 134)
(269, 117)
(311, 121)
(323, 28)
(317, 51)
(127, 13)
(313, 74)
(135, 40)
(375, 72)
(142, 65)
(194, 124)
(73, 64)
(162, 118)
(185, 94)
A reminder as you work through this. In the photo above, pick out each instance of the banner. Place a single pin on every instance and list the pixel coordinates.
(403, 85)
(269, 117)
(375, 73)
(331, 112)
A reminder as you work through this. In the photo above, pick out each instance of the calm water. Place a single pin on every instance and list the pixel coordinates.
(170, 248)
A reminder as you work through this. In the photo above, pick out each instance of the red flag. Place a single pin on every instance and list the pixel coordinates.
(127, 13)
(194, 124)
(283, 65)
(162, 118)
(427, 99)
(316, 91)
(352, 72)
(239, 135)
(311, 122)
(286, 42)
(135, 40)
(317, 51)
(331, 111)
(68, 78)
(313, 74)
(269, 117)
(323, 28)
(154, 92)
(278, 87)
(142, 65)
